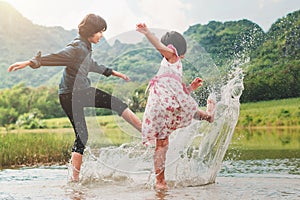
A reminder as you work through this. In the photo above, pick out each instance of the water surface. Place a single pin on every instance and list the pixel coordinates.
(248, 179)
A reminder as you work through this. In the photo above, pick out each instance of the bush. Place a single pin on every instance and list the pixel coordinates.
(31, 120)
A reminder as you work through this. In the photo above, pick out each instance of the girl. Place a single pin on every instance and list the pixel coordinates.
(75, 91)
(169, 105)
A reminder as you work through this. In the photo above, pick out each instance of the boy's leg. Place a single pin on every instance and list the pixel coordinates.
(132, 119)
(75, 113)
(105, 100)
(160, 161)
(76, 165)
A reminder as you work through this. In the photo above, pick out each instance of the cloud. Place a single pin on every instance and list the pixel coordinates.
(261, 12)
(122, 15)
(167, 14)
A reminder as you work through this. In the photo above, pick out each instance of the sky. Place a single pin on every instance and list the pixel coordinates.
(122, 15)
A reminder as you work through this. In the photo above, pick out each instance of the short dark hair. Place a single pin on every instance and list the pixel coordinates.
(176, 39)
(90, 25)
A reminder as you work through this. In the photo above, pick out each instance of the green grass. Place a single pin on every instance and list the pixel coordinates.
(276, 113)
(53, 144)
(35, 147)
(58, 123)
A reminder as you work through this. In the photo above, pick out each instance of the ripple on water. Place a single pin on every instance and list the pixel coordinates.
(260, 179)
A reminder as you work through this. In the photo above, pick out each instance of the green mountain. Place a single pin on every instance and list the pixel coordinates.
(227, 41)
(20, 40)
(272, 72)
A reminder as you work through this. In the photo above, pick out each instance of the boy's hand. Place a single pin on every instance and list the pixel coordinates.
(126, 78)
(18, 65)
(120, 75)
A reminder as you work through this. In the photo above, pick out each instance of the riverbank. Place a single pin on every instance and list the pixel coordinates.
(258, 128)
(53, 146)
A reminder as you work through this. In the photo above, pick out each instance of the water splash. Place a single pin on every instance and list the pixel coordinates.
(195, 153)
(210, 142)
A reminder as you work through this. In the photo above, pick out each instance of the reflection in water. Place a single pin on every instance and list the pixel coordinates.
(279, 138)
(264, 143)
(75, 191)
(161, 195)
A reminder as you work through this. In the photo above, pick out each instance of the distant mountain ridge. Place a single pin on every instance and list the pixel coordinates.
(21, 39)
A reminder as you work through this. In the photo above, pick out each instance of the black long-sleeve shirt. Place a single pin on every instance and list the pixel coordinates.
(76, 56)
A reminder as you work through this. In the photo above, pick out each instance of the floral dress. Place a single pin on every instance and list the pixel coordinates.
(169, 105)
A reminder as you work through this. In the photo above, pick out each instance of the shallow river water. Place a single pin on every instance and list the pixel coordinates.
(249, 179)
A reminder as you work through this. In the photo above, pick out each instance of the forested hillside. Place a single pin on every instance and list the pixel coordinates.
(227, 41)
(272, 70)
(20, 40)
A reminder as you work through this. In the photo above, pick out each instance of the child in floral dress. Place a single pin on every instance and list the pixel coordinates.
(169, 105)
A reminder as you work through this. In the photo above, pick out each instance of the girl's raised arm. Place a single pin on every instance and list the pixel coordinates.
(165, 51)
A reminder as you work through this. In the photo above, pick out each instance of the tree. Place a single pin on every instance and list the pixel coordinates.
(7, 116)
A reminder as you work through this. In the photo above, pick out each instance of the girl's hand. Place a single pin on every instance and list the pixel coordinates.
(18, 65)
(197, 82)
(142, 28)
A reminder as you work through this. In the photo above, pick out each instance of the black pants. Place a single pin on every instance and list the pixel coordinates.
(73, 104)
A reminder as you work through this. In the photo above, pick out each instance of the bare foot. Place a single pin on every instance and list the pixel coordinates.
(161, 186)
(74, 179)
(75, 175)
(211, 105)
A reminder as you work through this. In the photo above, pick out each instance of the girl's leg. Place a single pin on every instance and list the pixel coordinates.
(210, 110)
(159, 162)
(209, 114)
